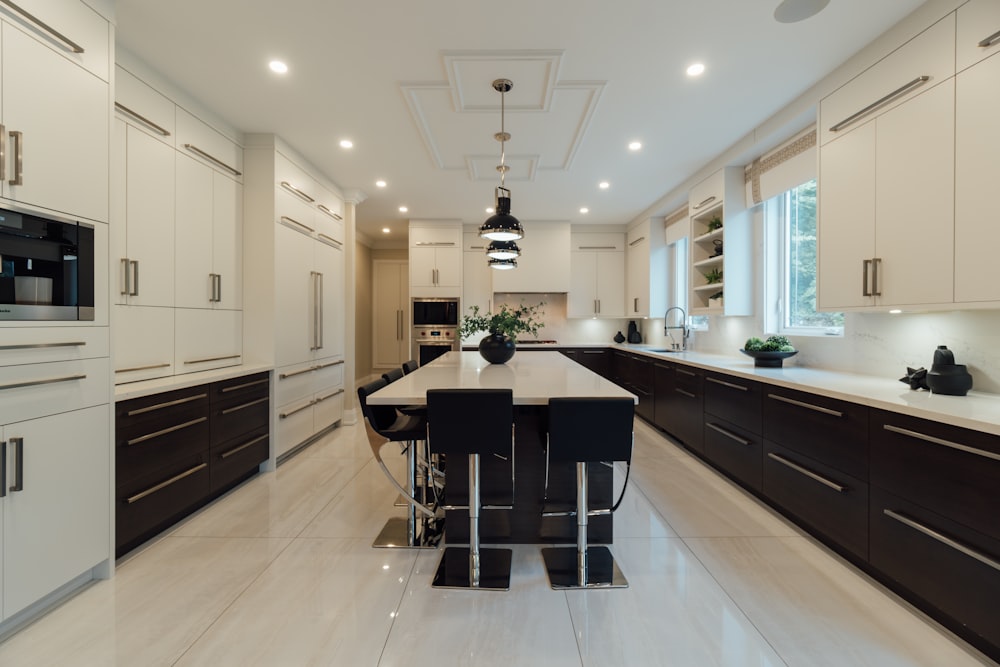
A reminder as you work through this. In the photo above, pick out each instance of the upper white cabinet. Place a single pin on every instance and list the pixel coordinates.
(645, 270)
(435, 259)
(141, 105)
(477, 276)
(597, 276)
(977, 35)
(544, 264)
(200, 141)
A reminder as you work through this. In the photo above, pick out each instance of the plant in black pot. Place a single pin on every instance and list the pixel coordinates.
(503, 326)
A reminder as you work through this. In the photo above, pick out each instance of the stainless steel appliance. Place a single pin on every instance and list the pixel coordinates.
(435, 328)
(46, 268)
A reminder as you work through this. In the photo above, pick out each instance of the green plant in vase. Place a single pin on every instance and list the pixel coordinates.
(714, 276)
(714, 223)
(502, 327)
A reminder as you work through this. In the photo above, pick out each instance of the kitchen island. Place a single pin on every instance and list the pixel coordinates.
(534, 378)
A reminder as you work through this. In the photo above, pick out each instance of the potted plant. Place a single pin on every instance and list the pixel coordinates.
(503, 326)
(714, 276)
(714, 223)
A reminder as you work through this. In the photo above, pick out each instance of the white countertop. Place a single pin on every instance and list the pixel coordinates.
(534, 378)
(123, 392)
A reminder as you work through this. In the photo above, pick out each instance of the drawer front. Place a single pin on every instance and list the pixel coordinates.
(162, 409)
(293, 383)
(149, 504)
(832, 432)
(736, 450)
(208, 145)
(36, 390)
(294, 424)
(329, 374)
(824, 499)
(144, 107)
(685, 413)
(236, 390)
(329, 408)
(149, 447)
(231, 419)
(238, 458)
(689, 378)
(734, 399)
(36, 345)
(949, 566)
(952, 470)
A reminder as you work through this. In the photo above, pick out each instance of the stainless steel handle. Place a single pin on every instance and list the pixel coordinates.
(32, 346)
(876, 287)
(729, 434)
(399, 325)
(35, 383)
(320, 315)
(211, 282)
(593, 351)
(315, 312)
(865, 291)
(18, 484)
(942, 442)
(839, 488)
(638, 240)
(295, 191)
(919, 81)
(3, 468)
(684, 372)
(214, 160)
(218, 278)
(685, 393)
(731, 385)
(207, 359)
(3, 153)
(435, 243)
(73, 46)
(329, 240)
(282, 376)
(244, 406)
(167, 404)
(477, 247)
(142, 119)
(635, 305)
(807, 406)
(329, 396)
(327, 365)
(18, 139)
(134, 289)
(285, 415)
(330, 213)
(943, 539)
(594, 306)
(237, 387)
(240, 448)
(989, 41)
(163, 485)
(165, 431)
(293, 221)
(140, 368)
(704, 203)
(597, 247)
(125, 282)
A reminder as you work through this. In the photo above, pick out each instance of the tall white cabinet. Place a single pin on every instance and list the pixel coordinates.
(294, 240)
(477, 276)
(645, 270)
(391, 313)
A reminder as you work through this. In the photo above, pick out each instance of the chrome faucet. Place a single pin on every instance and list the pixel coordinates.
(668, 330)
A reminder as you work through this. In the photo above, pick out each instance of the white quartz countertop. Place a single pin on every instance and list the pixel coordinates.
(534, 379)
(123, 392)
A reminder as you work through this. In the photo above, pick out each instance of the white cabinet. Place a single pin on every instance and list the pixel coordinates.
(544, 264)
(597, 276)
(721, 246)
(477, 276)
(977, 35)
(144, 342)
(205, 339)
(296, 308)
(435, 259)
(646, 270)
(390, 314)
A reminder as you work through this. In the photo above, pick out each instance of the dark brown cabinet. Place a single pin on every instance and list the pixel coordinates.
(732, 427)
(677, 404)
(635, 373)
(595, 359)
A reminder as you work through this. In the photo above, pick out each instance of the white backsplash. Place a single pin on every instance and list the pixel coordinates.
(557, 326)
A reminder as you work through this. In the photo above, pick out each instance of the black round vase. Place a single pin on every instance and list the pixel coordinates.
(497, 348)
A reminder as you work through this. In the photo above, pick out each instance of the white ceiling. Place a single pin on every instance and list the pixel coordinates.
(409, 82)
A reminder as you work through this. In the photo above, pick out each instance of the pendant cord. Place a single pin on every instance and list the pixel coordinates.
(503, 136)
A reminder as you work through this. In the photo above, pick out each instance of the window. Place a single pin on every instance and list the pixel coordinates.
(677, 281)
(790, 282)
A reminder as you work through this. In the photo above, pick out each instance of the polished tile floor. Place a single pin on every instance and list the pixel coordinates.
(281, 572)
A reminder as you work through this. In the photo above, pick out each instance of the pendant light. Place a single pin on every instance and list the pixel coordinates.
(503, 250)
(502, 226)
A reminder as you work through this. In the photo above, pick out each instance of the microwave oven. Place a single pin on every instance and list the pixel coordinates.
(435, 312)
(46, 268)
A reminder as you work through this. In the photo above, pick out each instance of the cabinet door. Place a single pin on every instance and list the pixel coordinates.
(477, 281)
(227, 241)
(582, 300)
(389, 311)
(637, 278)
(448, 262)
(330, 266)
(294, 307)
(64, 126)
(846, 218)
(978, 22)
(144, 342)
(611, 284)
(207, 339)
(193, 235)
(422, 267)
(64, 501)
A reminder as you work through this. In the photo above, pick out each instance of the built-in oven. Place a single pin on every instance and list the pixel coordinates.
(435, 312)
(46, 268)
(435, 328)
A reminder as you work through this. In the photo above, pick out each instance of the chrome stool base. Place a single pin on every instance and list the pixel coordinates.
(396, 534)
(455, 570)
(596, 569)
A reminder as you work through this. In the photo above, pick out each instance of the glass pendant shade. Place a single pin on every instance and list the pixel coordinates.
(502, 264)
(502, 250)
(502, 226)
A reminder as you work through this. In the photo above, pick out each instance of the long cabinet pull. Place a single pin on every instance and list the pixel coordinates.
(162, 485)
(436, 243)
(944, 443)
(320, 367)
(3, 152)
(207, 359)
(18, 140)
(18, 444)
(684, 372)
(73, 46)
(33, 346)
(731, 385)
(237, 387)
(729, 434)
(593, 351)
(134, 287)
(244, 406)
(293, 221)
(313, 276)
(335, 216)
(636, 241)
(3, 468)
(214, 160)
(35, 383)
(330, 241)
(295, 191)
(704, 202)
(125, 279)
(240, 448)
(865, 265)
(685, 393)
(905, 88)
(839, 488)
(807, 406)
(990, 41)
(876, 287)
(597, 247)
(329, 396)
(167, 404)
(320, 315)
(943, 539)
(140, 368)
(142, 119)
(292, 374)
(285, 415)
(165, 431)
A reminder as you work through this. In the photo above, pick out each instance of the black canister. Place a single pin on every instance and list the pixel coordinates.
(946, 377)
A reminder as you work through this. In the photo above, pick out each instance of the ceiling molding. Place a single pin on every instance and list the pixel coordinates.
(540, 67)
(484, 167)
(411, 93)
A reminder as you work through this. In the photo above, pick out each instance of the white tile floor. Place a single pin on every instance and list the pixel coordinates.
(281, 572)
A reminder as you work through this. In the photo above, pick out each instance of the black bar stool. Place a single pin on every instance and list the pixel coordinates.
(395, 427)
(586, 430)
(392, 375)
(409, 366)
(472, 422)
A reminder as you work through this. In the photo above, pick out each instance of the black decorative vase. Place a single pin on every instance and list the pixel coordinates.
(497, 348)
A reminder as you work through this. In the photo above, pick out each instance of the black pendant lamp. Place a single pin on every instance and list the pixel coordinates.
(502, 250)
(502, 226)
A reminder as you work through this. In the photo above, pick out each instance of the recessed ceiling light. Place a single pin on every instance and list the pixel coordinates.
(490, 209)
(793, 11)
(895, 311)
(403, 209)
(278, 67)
(634, 146)
(696, 69)
(604, 185)
(379, 184)
(584, 209)
(385, 230)
(346, 143)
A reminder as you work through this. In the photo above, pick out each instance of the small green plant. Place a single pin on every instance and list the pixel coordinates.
(508, 321)
(717, 295)
(772, 344)
(714, 223)
(714, 276)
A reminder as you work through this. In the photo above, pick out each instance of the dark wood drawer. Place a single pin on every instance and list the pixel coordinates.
(236, 459)
(237, 390)
(733, 399)
(735, 450)
(824, 499)
(161, 408)
(685, 408)
(949, 566)
(832, 432)
(951, 470)
(594, 359)
(148, 446)
(240, 414)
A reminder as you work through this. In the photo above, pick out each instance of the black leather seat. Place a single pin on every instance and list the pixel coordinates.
(392, 375)
(409, 366)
